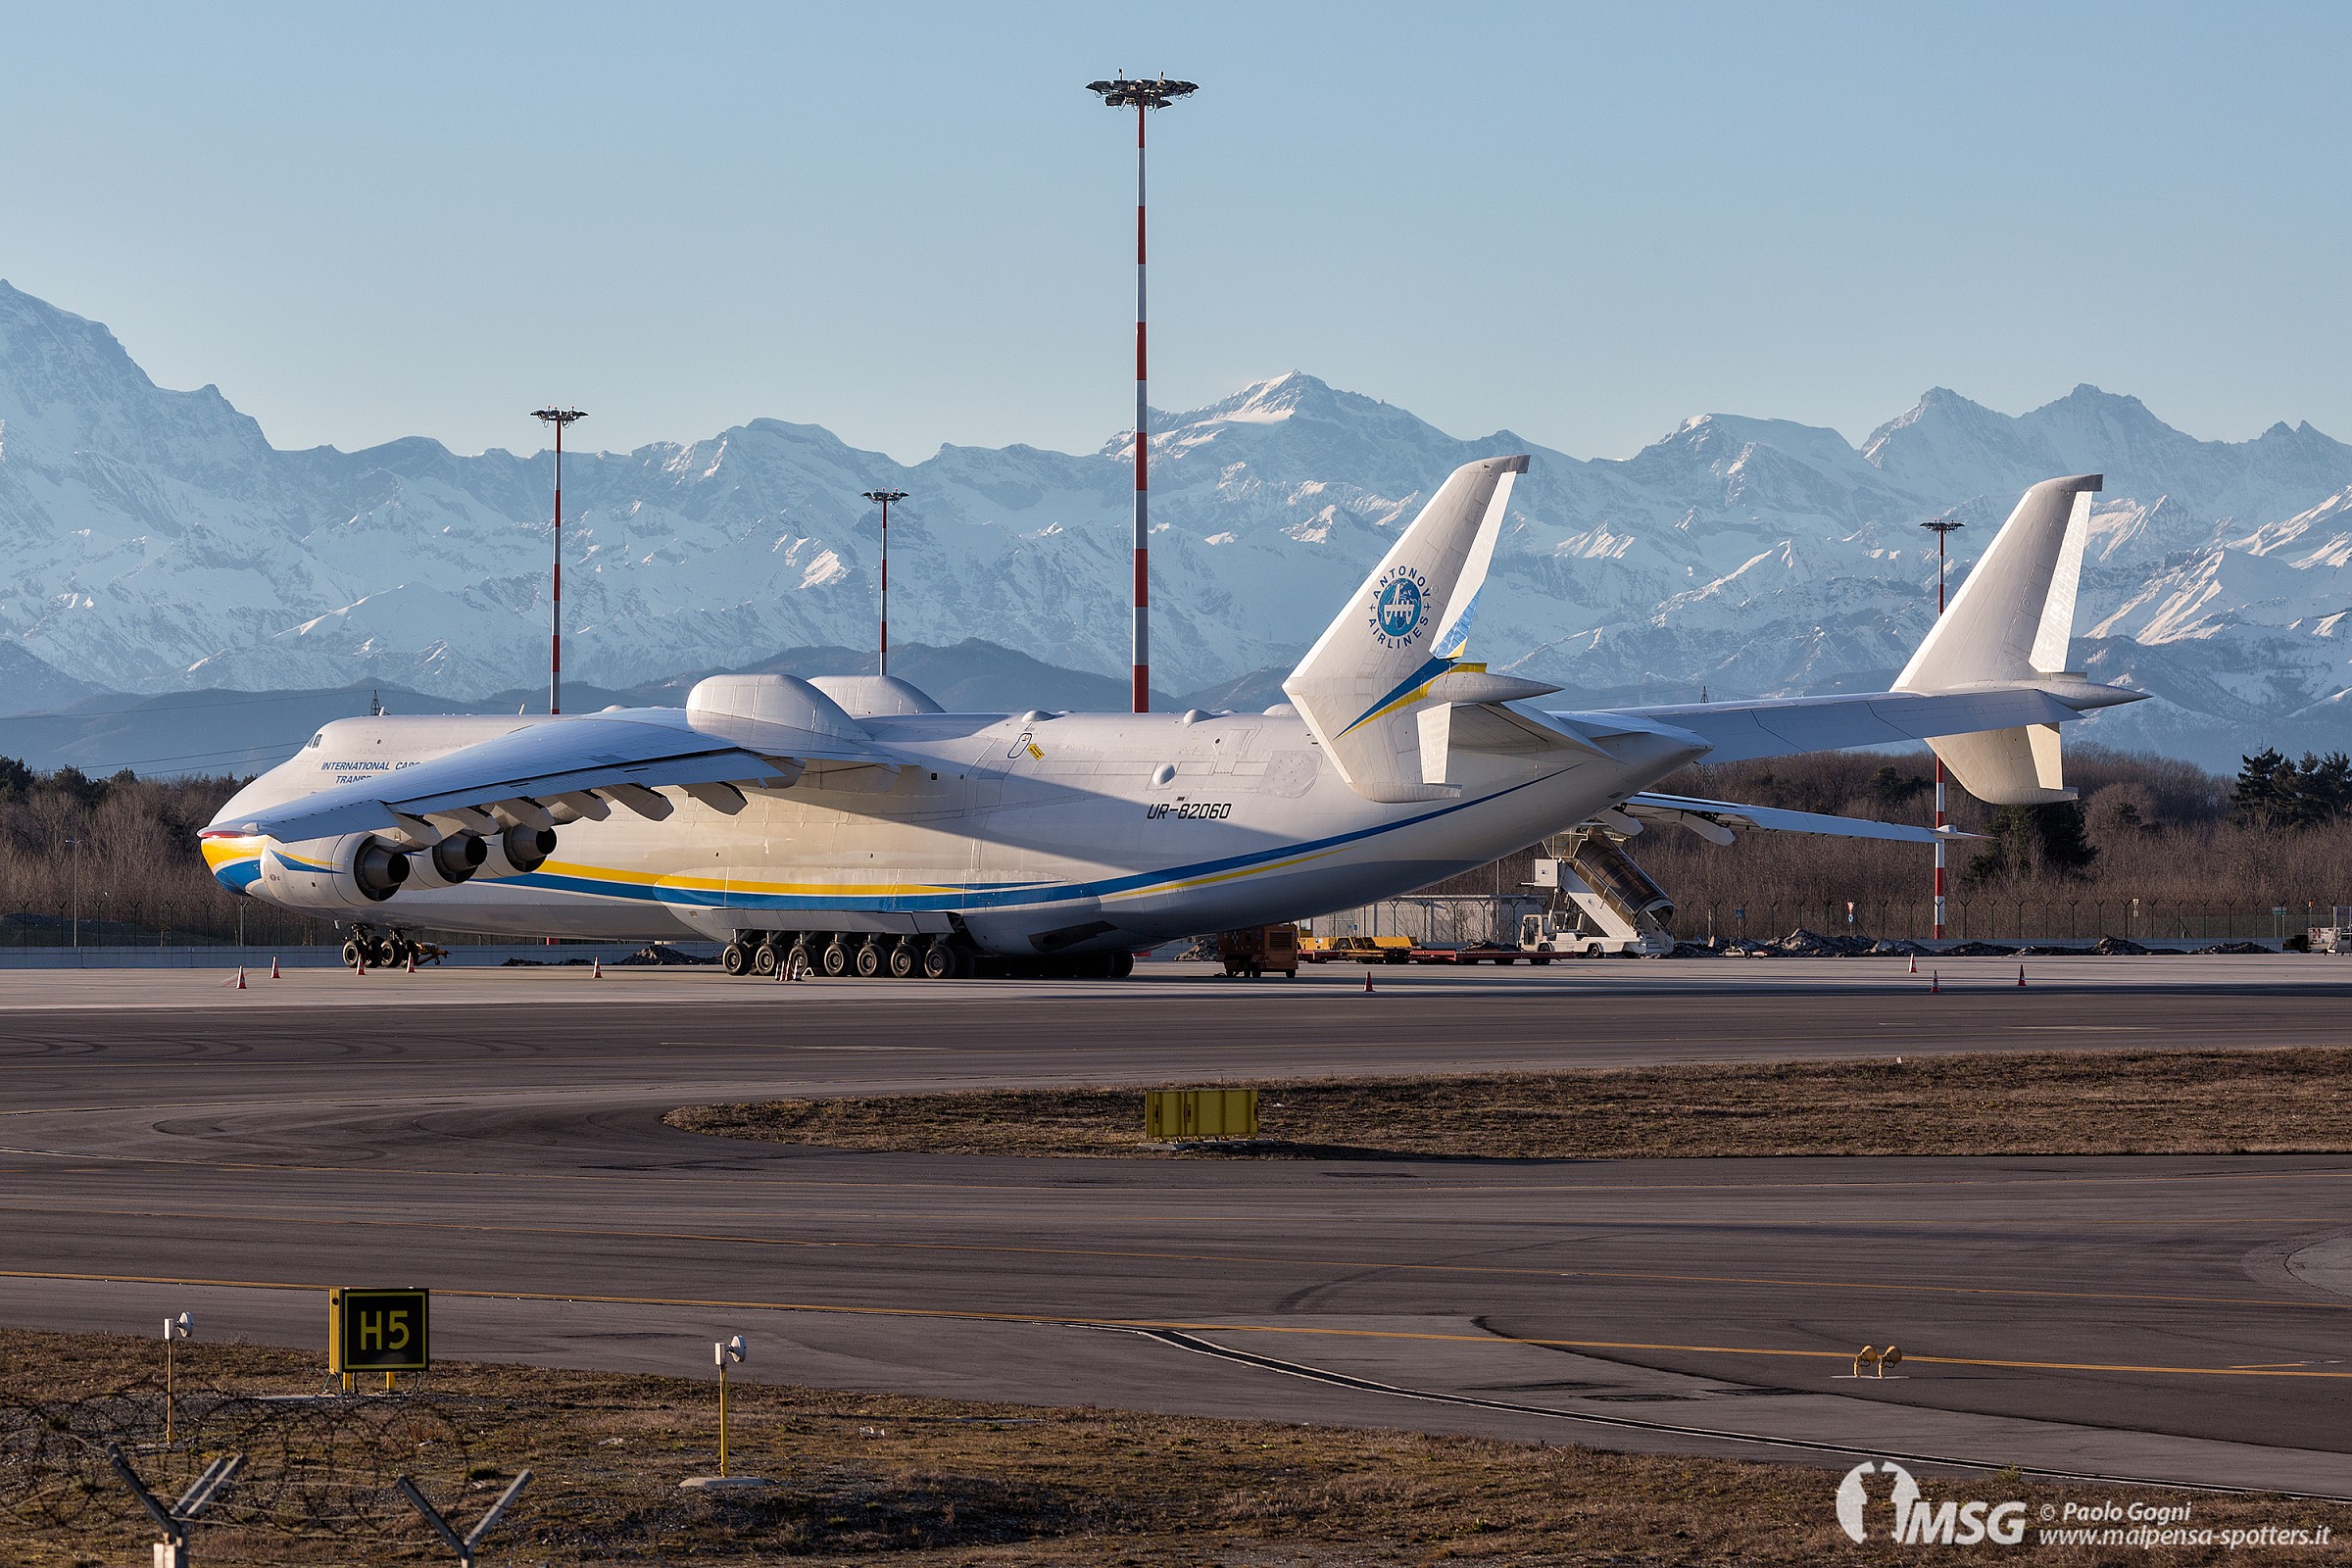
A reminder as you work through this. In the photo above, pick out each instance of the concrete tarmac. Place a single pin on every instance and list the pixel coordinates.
(167, 1143)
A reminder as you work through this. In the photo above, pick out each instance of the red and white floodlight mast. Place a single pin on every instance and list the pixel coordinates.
(884, 498)
(1942, 525)
(1121, 93)
(559, 417)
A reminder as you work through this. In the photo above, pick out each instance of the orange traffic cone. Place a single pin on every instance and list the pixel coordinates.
(1915, 964)
(596, 968)
(2021, 977)
(1367, 982)
(273, 974)
(411, 961)
(1934, 984)
(240, 977)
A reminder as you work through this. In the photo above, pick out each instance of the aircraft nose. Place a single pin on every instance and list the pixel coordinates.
(236, 862)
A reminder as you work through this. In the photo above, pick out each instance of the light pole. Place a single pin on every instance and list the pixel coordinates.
(559, 417)
(884, 498)
(75, 845)
(1941, 527)
(1121, 93)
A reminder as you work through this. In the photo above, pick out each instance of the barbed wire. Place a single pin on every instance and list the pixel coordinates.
(315, 1464)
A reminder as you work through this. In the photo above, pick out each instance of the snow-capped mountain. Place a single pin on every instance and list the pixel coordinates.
(158, 541)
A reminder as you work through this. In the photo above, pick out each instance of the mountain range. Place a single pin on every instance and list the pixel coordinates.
(159, 545)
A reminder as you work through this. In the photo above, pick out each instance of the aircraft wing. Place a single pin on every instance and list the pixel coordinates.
(575, 764)
(1779, 725)
(1722, 816)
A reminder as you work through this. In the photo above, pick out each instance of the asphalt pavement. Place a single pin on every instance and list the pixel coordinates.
(168, 1140)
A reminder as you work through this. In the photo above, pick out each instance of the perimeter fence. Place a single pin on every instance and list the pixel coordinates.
(315, 1465)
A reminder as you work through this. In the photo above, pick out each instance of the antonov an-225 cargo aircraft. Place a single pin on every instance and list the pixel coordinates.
(852, 818)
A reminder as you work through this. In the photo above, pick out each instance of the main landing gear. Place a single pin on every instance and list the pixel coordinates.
(871, 954)
(372, 949)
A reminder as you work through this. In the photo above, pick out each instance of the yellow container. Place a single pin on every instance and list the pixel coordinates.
(1172, 1116)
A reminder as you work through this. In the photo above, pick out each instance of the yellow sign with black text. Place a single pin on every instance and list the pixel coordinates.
(378, 1331)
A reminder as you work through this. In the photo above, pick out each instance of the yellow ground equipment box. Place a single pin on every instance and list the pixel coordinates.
(1171, 1115)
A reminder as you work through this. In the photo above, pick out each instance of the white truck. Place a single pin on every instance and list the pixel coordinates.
(2336, 937)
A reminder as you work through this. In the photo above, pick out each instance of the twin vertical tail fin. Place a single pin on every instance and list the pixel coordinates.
(1408, 626)
(2010, 624)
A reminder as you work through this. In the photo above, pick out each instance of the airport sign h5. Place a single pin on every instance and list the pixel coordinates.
(377, 1330)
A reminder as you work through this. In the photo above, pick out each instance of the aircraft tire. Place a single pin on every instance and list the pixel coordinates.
(353, 954)
(735, 960)
(869, 960)
(903, 958)
(1122, 965)
(835, 959)
(939, 962)
(387, 953)
(764, 958)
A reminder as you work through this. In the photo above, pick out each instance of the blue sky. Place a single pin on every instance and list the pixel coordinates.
(908, 223)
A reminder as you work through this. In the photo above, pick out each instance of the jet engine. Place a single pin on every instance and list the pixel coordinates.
(449, 863)
(517, 852)
(356, 871)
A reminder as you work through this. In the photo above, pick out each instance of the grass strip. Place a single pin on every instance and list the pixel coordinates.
(879, 1479)
(2054, 1102)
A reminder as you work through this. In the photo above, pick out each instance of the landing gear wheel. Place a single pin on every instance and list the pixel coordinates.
(764, 960)
(354, 953)
(903, 959)
(736, 959)
(869, 960)
(388, 953)
(938, 961)
(797, 961)
(835, 960)
(1122, 965)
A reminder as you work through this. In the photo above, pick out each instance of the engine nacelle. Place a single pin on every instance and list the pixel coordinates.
(356, 871)
(448, 863)
(517, 852)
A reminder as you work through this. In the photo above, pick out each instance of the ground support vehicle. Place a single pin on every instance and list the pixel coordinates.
(1610, 903)
(1367, 950)
(1475, 952)
(1259, 949)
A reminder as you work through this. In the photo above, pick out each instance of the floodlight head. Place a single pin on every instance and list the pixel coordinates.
(1943, 524)
(179, 1328)
(733, 1350)
(552, 414)
(883, 498)
(1159, 94)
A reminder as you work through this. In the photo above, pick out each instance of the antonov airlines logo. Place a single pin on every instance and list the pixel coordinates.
(1920, 1522)
(1399, 602)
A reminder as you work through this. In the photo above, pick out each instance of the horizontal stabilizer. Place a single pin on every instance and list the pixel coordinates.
(1723, 816)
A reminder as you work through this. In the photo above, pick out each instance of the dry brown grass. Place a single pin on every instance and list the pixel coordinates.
(926, 1481)
(2085, 1103)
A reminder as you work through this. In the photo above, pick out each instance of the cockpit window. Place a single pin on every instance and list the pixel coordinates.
(317, 740)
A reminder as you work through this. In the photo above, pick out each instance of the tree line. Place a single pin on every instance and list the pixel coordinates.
(2164, 832)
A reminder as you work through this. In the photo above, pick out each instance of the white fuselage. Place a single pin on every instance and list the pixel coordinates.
(1071, 833)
